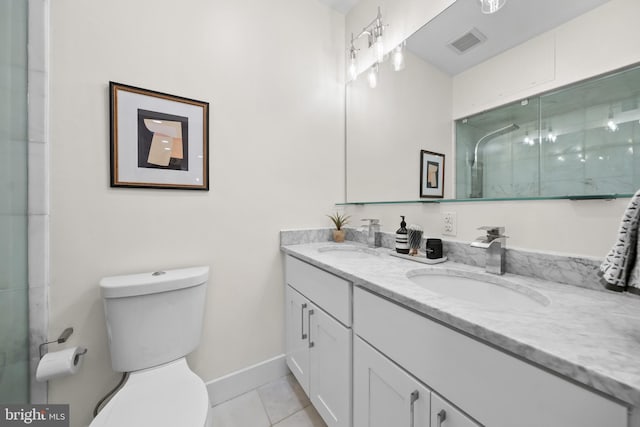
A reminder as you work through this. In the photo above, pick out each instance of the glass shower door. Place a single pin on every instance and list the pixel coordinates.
(14, 317)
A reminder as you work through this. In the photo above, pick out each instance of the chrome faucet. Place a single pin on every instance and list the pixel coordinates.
(495, 243)
(372, 228)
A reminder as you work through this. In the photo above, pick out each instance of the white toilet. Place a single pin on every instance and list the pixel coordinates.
(153, 321)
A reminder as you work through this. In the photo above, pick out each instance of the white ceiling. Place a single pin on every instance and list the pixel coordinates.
(516, 22)
(342, 6)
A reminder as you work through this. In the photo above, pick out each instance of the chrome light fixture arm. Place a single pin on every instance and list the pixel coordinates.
(374, 32)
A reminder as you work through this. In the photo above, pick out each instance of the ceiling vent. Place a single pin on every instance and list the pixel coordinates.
(467, 41)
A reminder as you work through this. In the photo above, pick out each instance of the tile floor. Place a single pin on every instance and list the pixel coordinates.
(280, 403)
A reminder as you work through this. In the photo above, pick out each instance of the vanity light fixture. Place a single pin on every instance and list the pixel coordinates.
(353, 61)
(375, 38)
(491, 6)
(551, 137)
(378, 38)
(397, 57)
(373, 76)
(612, 126)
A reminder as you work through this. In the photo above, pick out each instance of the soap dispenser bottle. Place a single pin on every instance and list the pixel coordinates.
(402, 239)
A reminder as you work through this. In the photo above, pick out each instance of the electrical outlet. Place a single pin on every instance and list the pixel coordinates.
(449, 224)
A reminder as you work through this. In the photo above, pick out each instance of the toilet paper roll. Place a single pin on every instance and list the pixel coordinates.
(60, 363)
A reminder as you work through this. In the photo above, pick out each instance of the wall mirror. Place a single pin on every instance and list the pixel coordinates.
(578, 141)
(417, 108)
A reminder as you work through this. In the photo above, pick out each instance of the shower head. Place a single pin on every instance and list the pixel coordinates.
(476, 164)
(493, 134)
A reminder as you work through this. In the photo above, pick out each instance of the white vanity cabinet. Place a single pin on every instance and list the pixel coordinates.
(319, 338)
(492, 387)
(385, 395)
(297, 333)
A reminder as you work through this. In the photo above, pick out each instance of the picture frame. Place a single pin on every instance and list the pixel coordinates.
(431, 174)
(158, 140)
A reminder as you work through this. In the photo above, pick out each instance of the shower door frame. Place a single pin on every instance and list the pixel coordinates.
(38, 187)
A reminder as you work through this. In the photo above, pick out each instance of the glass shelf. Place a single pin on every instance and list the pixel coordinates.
(504, 199)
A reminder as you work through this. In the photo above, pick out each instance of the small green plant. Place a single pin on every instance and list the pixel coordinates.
(339, 220)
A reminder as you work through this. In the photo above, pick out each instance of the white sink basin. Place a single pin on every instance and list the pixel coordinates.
(487, 291)
(349, 251)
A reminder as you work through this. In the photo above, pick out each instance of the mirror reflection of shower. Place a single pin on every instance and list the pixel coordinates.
(477, 162)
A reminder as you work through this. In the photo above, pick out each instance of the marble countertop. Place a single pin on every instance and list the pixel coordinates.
(592, 337)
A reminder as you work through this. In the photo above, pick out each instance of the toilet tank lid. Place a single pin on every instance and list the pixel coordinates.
(152, 282)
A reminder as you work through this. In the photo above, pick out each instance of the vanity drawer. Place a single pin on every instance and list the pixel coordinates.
(495, 388)
(327, 291)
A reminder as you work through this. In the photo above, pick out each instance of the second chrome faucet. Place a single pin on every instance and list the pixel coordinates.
(372, 228)
(495, 243)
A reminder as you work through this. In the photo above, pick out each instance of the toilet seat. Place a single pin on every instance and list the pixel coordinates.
(167, 395)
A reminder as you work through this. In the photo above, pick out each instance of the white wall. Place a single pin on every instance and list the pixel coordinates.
(603, 39)
(409, 111)
(273, 73)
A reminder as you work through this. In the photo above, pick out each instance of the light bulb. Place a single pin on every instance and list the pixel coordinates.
(379, 47)
(353, 64)
(491, 6)
(612, 126)
(398, 58)
(373, 76)
(353, 71)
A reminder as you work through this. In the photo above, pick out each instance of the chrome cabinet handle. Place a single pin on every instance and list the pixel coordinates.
(302, 307)
(415, 395)
(442, 415)
(309, 323)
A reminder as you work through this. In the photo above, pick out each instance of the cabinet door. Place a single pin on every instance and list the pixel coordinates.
(297, 331)
(330, 368)
(495, 388)
(445, 415)
(384, 395)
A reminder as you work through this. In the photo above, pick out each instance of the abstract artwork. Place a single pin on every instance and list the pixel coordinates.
(158, 140)
(431, 174)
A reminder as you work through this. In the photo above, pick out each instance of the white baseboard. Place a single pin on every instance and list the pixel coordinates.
(242, 381)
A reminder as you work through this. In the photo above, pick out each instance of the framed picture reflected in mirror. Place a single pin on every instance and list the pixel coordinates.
(431, 174)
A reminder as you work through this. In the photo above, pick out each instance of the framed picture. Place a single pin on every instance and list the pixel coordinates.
(158, 140)
(431, 174)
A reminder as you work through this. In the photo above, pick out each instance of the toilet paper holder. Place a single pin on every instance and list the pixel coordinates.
(64, 336)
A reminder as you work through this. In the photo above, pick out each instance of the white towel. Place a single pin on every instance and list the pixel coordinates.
(621, 269)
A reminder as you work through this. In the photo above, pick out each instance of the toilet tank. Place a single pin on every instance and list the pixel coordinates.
(153, 318)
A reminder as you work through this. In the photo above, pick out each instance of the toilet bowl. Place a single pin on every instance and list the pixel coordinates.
(167, 396)
(153, 321)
